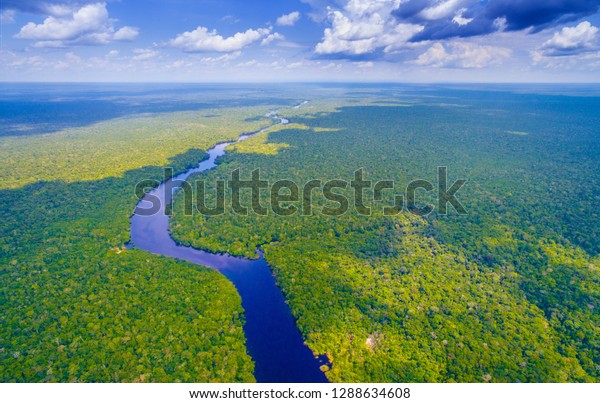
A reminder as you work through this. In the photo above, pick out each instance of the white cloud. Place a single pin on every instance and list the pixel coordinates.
(88, 25)
(463, 55)
(441, 10)
(288, 19)
(593, 59)
(203, 40)
(271, 38)
(332, 66)
(500, 24)
(276, 65)
(90, 18)
(365, 26)
(18, 61)
(126, 34)
(435, 56)
(56, 10)
(249, 63)
(571, 40)
(364, 65)
(49, 44)
(222, 59)
(295, 65)
(177, 64)
(588, 61)
(459, 19)
(145, 54)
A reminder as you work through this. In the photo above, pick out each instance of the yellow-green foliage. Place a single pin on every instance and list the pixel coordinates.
(111, 148)
(259, 143)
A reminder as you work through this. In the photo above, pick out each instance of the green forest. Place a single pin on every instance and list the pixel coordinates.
(509, 292)
(77, 306)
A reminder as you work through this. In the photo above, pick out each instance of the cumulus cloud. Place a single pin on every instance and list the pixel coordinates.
(571, 40)
(203, 40)
(363, 27)
(126, 34)
(440, 9)
(427, 20)
(463, 55)
(463, 18)
(88, 25)
(288, 19)
(90, 18)
(272, 37)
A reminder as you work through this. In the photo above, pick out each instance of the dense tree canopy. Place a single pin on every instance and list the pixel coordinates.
(509, 292)
(76, 305)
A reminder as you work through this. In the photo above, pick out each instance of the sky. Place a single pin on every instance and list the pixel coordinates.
(300, 40)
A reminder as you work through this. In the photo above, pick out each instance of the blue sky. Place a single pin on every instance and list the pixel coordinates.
(301, 40)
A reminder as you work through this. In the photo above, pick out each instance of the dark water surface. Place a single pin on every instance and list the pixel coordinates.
(273, 339)
(36, 108)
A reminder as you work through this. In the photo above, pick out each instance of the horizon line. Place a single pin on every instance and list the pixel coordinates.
(313, 82)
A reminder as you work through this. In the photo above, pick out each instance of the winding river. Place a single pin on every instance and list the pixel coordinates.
(272, 337)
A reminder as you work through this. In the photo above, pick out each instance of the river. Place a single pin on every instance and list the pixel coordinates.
(272, 337)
